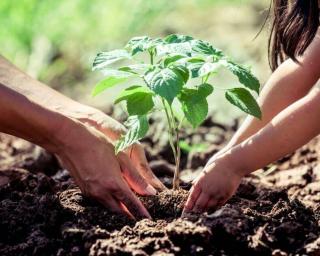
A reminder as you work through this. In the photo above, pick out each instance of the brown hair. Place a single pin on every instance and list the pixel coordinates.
(294, 26)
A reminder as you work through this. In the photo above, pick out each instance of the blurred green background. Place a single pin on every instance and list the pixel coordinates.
(56, 41)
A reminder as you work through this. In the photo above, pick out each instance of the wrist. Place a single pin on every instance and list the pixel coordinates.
(22, 117)
(234, 162)
(66, 131)
(96, 119)
(87, 115)
(52, 131)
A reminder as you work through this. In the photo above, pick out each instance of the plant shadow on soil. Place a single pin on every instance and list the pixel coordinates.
(46, 214)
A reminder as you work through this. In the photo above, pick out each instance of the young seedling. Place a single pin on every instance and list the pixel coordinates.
(173, 62)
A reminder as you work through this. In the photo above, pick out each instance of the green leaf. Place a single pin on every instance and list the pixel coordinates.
(183, 48)
(185, 45)
(138, 44)
(116, 73)
(166, 83)
(205, 89)
(174, 38)
(104, 59)
(198, 148)
(189, 46)
(245, 76)
(138, 98)
(125, 94)
(139, 104)
(194, 65)
(138, 127)
(181, 69)
(194, 103)
(243, 99)
(208, 68)
(107, 83)
(136, 68)
(142, 44)
(175, 44)
(172, 59)
(205, 48)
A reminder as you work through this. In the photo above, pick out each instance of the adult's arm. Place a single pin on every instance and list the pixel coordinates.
(79, 135)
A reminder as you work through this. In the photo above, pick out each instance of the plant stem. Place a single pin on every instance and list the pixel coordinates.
(176, 177)
(206, 78)
(174, 141)
(151, 57)
(171, 134)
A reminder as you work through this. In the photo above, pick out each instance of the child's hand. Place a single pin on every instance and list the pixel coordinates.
(215, 185)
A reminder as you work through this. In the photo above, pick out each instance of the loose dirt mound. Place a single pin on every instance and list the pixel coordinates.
(46, 214)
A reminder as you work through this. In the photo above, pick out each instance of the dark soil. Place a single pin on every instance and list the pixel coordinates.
(275, 212)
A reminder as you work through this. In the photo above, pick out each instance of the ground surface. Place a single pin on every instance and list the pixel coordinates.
(275, 212)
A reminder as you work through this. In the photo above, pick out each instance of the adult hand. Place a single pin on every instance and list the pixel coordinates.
(112, 129)
(82, 137)
(89, 156)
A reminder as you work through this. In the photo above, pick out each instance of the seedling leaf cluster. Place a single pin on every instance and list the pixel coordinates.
(178, 69)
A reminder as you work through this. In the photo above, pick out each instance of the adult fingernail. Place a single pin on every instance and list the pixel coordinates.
(149, 216)
(145, 215)
(159, 184)
(151, 190)
(185, 213)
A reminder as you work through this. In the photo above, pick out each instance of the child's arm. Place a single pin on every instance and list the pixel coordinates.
(289, 83)
(289, 130)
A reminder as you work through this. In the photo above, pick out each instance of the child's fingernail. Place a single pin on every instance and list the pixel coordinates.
(151, 190)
